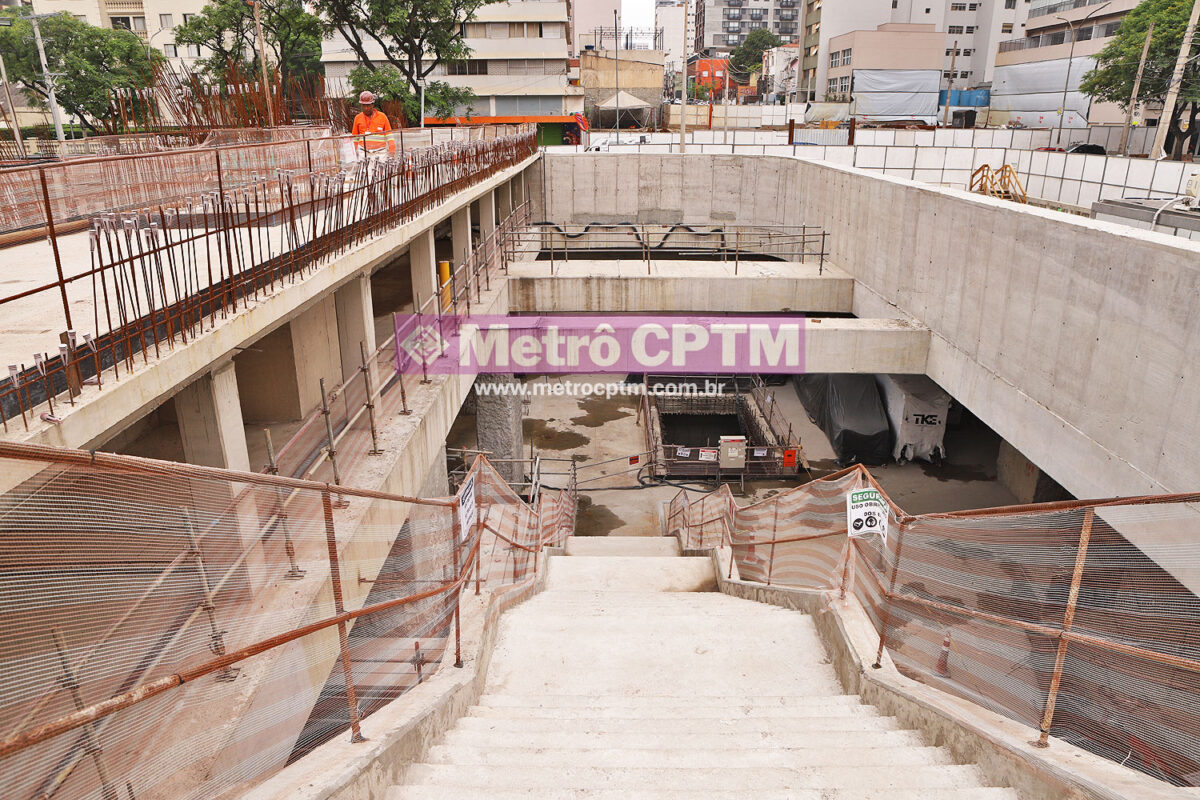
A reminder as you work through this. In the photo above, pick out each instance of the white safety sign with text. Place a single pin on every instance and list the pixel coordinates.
(466, 509)
(866, 513)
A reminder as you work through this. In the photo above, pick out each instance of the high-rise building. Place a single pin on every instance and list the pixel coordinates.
(586, 17)
(721, 25)
(669, 16)
(517, 66)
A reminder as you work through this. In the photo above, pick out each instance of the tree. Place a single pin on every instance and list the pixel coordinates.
(441, 99)
(747, 57)
(226, 28)
(413, 35)
(1116, 67)
(90, 63)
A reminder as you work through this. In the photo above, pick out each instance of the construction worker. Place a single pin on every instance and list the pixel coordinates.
(371, 126)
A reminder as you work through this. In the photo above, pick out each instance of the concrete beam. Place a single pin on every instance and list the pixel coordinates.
(355, 322)
(699, 287)
(210, 421)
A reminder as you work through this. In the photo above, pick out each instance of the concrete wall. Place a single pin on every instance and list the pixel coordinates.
(1073, 339)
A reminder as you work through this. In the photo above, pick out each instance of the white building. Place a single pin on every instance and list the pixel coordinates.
(153, 21)
(779, 71)
(587, 16)
(669, 17)
(517, 67)
(973, 31)
(721, 25)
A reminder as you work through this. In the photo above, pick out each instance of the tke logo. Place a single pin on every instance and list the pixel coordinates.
(925, 419)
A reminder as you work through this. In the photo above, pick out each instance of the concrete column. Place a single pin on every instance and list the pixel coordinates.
(355, 322)
(487, 216)
(498, 425)
(316, 352)
(210, 421)
(519, 195)
(437, 480)
(504, 197)
(422, 261)
(460, 234)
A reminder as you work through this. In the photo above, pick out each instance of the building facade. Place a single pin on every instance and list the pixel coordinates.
(779, 72)
(1032, 71)
(669, 17)
(586, 17)
(517, 67)
(721, 25)
(153, 21)
(971, 32)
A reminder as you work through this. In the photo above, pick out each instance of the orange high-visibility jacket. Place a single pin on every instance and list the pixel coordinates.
(376, 123)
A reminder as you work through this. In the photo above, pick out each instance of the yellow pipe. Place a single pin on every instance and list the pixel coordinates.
(447, 292)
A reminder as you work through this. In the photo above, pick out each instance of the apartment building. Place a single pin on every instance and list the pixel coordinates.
(1032, 71)
(517, 67)
(153, 21)
(721, 25)
(972, 32)
(669, 17)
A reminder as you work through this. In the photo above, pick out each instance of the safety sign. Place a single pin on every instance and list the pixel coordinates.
(866, 513)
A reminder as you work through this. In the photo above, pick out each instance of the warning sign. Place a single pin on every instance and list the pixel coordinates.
(467, 510)
(708, 454)
(866, 513)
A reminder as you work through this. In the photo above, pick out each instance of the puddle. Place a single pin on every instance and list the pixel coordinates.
(595, 520)
(546, 438)
(956, 472)
(599, 410)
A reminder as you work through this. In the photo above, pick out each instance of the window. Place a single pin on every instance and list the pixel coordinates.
(1010, 3)
(497, 30)
(973, 7)
(187, 18)
(120, 23)
(1006, 27)
(472, 66)
(965, 75)
(474, 30)
(846, 57)
(967, 51)
(835, 58)
(170, 50)
(895, 3)
(844, 87)
(958, 6)
(832, 87)
(955, 29)
(719, 73)
(947, 74)
(165, 21)
(704, 73)
(1109, 29)
(950, 51)
(193, 50)
(970, 29)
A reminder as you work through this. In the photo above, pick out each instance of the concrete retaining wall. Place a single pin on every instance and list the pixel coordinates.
(1073, 339)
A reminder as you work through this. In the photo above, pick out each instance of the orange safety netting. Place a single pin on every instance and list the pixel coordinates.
(1080, 619)
(211, 626)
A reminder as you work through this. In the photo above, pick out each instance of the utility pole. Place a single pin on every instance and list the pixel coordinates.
(725, 107)
(1123, 148)
(617, 68)
(687, 8)
(16, 128)
(950, 84)
(1164, 121)
(54, 111)
(262, 62)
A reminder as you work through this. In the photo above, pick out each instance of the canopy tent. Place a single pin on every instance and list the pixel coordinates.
(624, 101)
(623, 110)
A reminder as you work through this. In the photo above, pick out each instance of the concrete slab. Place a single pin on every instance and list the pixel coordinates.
(618, 546)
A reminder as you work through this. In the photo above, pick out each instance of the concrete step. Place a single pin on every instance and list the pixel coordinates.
(612, 546)
(680, 712)
(751, 728)
(728, 741)
(627, 757)
(632, 574)
(750, 780)
(670, 701)
(441, 792)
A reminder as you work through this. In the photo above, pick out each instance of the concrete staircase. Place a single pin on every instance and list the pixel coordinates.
(628, 677)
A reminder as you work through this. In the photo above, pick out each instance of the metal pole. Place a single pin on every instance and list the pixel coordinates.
(1062, 112)
(54, 111)
(422, 104)
(335, 577)
(331, 452)
(91, 744)
(687, 8)
(1123, 148)
(294, 572)
(950, 83)
(366, 371)
(1085, 536)
(53, 237)
(262, 61)
(617, 68)
(1160, 135)
(456, 531)
(16, 127)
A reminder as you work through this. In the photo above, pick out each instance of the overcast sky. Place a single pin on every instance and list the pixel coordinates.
(636, 13)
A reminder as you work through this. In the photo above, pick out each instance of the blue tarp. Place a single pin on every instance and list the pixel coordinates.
(966, 97)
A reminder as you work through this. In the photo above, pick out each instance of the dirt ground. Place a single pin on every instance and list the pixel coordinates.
(601, 433)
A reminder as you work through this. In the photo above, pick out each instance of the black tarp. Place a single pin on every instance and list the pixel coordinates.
(847, 407)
